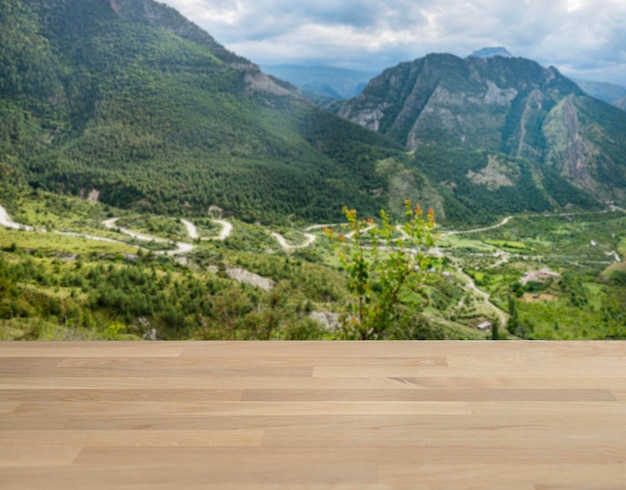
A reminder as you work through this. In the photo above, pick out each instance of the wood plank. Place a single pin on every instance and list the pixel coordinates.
(167, 367)
(509, 476)
(34, 455)
(236, 421)
(510, 381)
(517, 381)
(8, 406)
(619, 395)
(515, 409)
(134, 438)
(398, 349)
(161, 372)
(27, 422)
(461, 370)
(424, 436)
(118, 395)
(278, 415)
(371, 456)
(27, 366)
(91, 349)
(217, 408)
(250, 362)
(240, 475)
(358, 423)
(531, 395)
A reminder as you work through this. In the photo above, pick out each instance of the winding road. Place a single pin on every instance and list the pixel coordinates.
(181, 247)
(470, 284)
(478, 230)
(5, 220)
(192, 231)
(283, 243)
(227, 229)
(111, 224)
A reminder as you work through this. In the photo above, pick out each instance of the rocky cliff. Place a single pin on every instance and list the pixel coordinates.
(509, 105)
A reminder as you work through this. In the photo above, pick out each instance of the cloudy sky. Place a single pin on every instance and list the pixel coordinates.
(583, 38)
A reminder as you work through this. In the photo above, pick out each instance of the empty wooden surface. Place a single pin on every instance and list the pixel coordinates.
(287, 415)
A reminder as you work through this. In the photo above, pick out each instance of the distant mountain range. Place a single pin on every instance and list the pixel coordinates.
(607, 92)
(130, 99)
(325, 81)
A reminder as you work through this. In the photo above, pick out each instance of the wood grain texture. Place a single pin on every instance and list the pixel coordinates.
(314, 415)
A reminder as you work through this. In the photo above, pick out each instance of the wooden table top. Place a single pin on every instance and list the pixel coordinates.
(320, 415)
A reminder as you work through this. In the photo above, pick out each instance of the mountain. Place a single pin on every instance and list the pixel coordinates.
(130, 100)
(511, 108)
(325, 81)
(621, 103)
(491, 52)
(606, 92)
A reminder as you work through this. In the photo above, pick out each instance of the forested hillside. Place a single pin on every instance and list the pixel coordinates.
(131, 100)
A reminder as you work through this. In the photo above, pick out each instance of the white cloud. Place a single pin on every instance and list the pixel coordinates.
(579, 36)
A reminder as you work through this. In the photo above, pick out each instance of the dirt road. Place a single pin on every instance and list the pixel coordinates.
(5, 220)
(181, 247)
(283, 243)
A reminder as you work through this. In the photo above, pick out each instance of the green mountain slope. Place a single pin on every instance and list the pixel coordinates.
(509, 106)
(129, 102)
(128, 98)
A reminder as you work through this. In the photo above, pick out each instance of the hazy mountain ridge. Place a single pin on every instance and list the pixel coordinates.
(606, 92)
(508, 105)
(326, 81)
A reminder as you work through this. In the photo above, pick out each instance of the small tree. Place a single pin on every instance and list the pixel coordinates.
(384, 264)
(495, 327)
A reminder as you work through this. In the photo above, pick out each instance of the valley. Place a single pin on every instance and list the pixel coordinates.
(157, 183)
(484, 274)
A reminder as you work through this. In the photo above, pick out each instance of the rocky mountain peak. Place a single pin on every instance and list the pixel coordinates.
(491, 52)
(513, 106)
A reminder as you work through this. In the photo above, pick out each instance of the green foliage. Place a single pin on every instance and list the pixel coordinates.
(619, 278)
(582, 303)
(572, 286)
(385, 267)
(58, 287)
(116, 300)
(143, 106)
(478, 199)
(113, 330)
